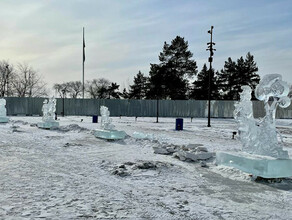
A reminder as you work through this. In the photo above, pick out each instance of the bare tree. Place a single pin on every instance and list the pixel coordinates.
(74, 88)
(27, 82)
(7, 75)
(61, 89)
(98, 88)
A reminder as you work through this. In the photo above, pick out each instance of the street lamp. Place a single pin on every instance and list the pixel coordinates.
(7, 73)
(63, 92)
(211, 49)
(157, 90)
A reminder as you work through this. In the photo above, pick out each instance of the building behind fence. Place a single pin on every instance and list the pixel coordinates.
(137, 108)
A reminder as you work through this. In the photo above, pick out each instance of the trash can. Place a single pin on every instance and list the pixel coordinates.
(179, 124)
(94, 118)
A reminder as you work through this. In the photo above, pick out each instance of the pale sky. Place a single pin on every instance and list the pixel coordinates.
(125, 36)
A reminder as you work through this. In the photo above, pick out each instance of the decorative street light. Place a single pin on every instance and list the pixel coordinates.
(211, 49)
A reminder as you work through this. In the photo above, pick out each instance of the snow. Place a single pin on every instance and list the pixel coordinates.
(67, 173)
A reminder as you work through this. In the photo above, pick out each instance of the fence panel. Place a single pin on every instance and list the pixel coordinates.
(139, 108)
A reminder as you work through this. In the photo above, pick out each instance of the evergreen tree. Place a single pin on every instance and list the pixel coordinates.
(113, 91)
(156, 86)
(201, 85)
(234, 75)
(227, 80)
(125, 94)
(170, 78)
(139, 88)
(252, 78)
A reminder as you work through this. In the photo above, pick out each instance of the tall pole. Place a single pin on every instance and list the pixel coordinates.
(83, 60)
(211, 49)
(7, 80)
(157, 109)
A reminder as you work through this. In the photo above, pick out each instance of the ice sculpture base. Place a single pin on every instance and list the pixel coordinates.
(109, 134)
(48, 124)
(4, 119)
(262, 166)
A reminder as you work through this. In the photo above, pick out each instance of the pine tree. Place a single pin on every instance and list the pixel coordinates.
(201, 85)
(156, 87)
(170, 78)
(251, 73)
(227, 80)
(139, 88)
(112, 91)
(236, 74)
(125, 94)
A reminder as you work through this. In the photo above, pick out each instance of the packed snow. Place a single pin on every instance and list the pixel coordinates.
(68, 173)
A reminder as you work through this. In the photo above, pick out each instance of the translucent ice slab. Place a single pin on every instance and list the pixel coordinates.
(4, 119)
(263, 166)
(48, 125)
(109, 134)
(139, 135)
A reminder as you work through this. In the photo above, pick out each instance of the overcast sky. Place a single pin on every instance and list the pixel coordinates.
(125, 36)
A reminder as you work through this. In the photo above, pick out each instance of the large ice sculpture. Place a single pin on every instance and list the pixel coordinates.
(107, 130)
(3, 112)
(48, 119)
(265, 155)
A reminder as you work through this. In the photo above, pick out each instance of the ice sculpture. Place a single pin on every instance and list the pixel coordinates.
(264, 155)
(107, 130)
(106, 121)
(3, 112)
(48, 119)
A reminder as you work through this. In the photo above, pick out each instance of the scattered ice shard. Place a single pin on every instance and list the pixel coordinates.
(49, 109)
(3, 111)
(107, 128)
(261, 137)
(140, 135)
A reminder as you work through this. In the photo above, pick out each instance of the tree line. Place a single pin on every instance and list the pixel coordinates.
(173, 77)
(20, 81)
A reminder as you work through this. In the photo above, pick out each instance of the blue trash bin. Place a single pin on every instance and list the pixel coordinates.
(179, 124)
(94, 118)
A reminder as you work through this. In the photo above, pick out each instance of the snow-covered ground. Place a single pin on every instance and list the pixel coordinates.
(70, 174)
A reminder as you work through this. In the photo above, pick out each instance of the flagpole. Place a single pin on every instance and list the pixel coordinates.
(83, 59)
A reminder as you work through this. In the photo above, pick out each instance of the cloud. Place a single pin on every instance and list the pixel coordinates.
(123, 37)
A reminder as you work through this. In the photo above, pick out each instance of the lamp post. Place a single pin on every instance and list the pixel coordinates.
(157, 109)
(162, 87)
(211, 49)
(63, 92)
(7, 82)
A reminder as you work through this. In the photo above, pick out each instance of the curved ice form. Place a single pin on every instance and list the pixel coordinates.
(261, 137)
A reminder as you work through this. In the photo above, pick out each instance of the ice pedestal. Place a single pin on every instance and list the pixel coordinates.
(4, 119)
(109, 134)
(48, 124)
(263, 166)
